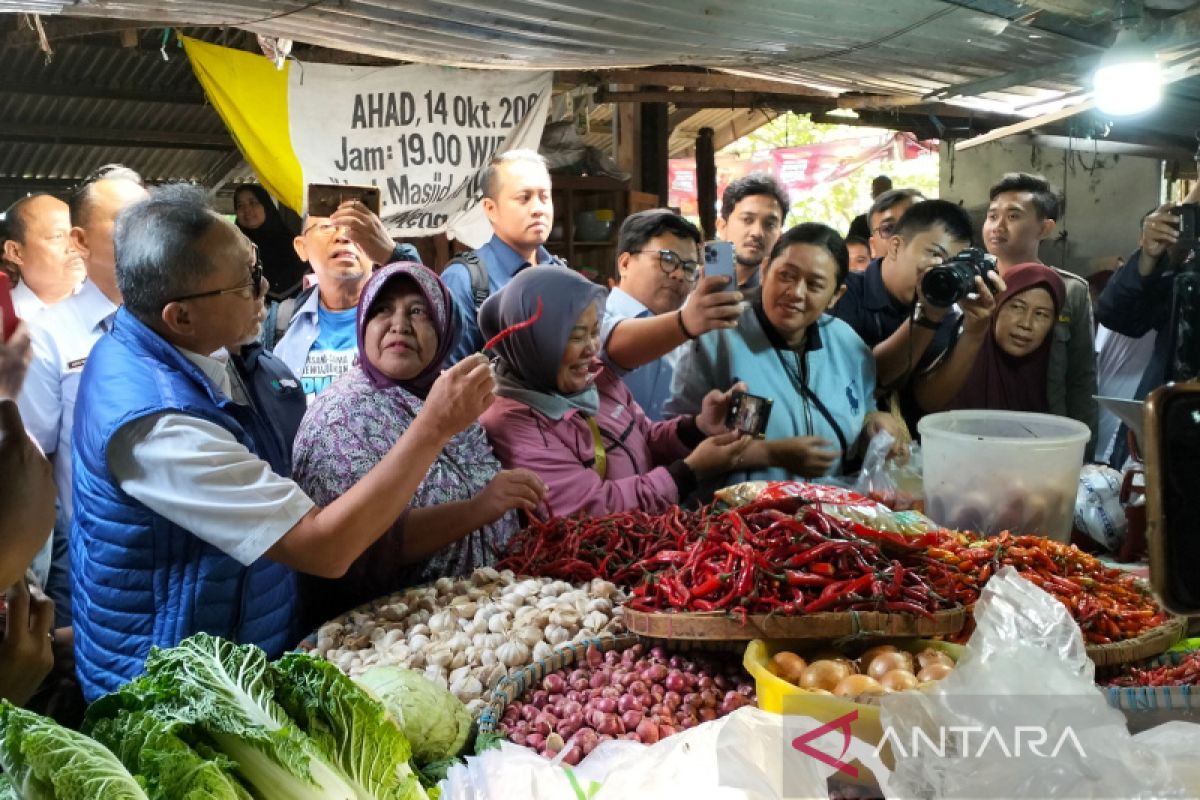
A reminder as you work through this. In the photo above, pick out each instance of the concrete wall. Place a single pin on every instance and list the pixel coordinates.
(1104, 204)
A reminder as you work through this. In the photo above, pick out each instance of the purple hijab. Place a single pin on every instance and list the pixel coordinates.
(441, 310)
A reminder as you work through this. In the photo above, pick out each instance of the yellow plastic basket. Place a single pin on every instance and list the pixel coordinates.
(780, 697)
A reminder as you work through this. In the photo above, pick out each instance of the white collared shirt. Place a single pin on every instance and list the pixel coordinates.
(62, 336)
(27, 304)
(197, 475)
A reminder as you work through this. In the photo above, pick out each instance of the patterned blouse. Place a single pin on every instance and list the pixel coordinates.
(346, 432)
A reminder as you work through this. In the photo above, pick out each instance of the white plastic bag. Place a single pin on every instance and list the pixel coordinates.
(744, 756)
(1020, 716)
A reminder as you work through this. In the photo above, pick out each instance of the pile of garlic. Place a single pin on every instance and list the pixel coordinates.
(467, 633)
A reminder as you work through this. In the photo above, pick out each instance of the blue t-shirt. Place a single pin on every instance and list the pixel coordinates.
(333, 351)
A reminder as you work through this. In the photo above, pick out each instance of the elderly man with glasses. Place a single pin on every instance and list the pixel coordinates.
(186, 517)
(320, 341)
(646, 318)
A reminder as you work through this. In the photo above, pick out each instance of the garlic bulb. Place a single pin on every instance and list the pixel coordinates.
(556, 634)
(514, 653)
(530, 635)
(542, 651)
(467, 688)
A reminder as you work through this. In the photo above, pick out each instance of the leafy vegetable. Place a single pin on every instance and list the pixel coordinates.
(7, 790)
(45, 761)
(152, 748)
(225, 692)
(350, 727)
(435, 722)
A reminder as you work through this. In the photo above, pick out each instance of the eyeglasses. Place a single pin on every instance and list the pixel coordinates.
(886, 229)
(669, 261)
(255, 284)
(324, 228)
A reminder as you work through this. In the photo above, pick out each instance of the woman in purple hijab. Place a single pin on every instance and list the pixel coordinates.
(465, 510)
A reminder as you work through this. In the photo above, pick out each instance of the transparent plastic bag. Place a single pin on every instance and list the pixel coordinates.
(894, 483)
(746, 755)
(1021, 716)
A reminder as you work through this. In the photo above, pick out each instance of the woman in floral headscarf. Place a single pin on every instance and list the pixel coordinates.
(465, 510)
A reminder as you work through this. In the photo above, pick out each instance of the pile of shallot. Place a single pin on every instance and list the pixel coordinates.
(631, 694)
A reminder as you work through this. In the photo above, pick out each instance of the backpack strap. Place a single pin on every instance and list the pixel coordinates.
(477, 271)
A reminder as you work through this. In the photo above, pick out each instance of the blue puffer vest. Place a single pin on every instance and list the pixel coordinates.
(137, 579)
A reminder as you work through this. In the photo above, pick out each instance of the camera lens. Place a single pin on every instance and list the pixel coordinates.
(943, 286)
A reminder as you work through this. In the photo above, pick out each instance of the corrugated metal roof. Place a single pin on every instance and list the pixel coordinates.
(906, 48)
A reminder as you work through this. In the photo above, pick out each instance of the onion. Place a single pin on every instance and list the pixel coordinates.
(594, 656)
(823, 674)
(898, 680)
(647, 731)
(788, 666)
(539, 698)
(631, 719)
(600, 679)
(536, 741)
(655, 673)
(586, 739)
(517, 738)
(708, 714)
(855, 685)
(672, 701)
(607, 724)
(934, 672)
(610, 691)
(606, 705)
(570, 707)
(628, 702)
(573, 756)
(637, 688)
(884, 663)
(529, 712)
(928, 657)
(666, 730)
(676, 682)
(554, 683)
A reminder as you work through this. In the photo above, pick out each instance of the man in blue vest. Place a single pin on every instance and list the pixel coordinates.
(185, 517)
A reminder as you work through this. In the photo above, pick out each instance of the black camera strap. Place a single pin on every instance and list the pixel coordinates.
(798, 374)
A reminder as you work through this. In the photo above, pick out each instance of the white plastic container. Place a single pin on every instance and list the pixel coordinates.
(989, 471)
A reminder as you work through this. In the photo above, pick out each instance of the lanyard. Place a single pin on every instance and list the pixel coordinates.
(807, 396)
(600, 455)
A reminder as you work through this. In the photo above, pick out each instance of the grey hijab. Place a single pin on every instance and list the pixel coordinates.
(530, 357)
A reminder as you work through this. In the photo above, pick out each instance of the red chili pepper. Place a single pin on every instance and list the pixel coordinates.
(511, 329)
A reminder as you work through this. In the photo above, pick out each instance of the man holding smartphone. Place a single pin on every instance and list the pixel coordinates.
(319, 341)
(653, 309)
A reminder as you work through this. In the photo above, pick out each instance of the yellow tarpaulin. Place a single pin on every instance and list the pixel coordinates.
(251, 96)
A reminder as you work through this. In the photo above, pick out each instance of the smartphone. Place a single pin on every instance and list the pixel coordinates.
(748, 414)
(6, 308)
(324, 198)
(718, 260)
(1187, 222)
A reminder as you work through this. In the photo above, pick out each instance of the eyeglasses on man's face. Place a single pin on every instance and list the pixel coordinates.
(255, 284)
(324, 228)
(669, 261)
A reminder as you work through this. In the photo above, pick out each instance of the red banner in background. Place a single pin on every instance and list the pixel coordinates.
(798, 169)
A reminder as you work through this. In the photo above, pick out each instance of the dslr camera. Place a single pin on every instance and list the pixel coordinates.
(951, 281)
(1189, 220)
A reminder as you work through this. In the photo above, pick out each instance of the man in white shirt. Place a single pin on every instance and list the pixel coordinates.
(186, 519)
(38, 244)
(63, 336)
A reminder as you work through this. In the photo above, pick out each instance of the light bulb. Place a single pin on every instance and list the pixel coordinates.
(1128, 80)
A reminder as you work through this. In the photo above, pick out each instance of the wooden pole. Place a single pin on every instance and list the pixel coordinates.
(706, 182)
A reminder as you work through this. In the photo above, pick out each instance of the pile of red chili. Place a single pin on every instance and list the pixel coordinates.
(1185, 673)
(774, 556)
(1109, 605)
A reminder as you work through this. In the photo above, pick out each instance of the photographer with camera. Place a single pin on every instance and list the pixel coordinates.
(885, 306)
(1138, 298)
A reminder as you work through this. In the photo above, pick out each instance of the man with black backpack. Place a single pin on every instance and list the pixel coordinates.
(516, 199)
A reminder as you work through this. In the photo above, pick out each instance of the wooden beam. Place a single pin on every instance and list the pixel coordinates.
(880, 101)
(688, 80)
(224, 171)
(628, 136)
(713, 99)
(168, 140)
(119, 93)
(1027, 125)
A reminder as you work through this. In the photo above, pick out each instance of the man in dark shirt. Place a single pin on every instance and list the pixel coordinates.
(860, 226)
(1139, 296)
(884, 304)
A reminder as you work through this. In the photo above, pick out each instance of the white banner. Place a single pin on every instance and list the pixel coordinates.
(421, 134)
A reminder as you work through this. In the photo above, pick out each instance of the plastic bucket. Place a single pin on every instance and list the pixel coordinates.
(990, 471)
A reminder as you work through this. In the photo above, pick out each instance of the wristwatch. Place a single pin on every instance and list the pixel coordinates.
(919, 317)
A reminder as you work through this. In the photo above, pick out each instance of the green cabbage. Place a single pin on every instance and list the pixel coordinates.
(45, 761)
(436, 723)
(350, 727)
(153, 749)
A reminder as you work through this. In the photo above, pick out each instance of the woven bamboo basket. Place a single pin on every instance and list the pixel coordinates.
(517, 682)
(717, 626)
(1151, 643)
(1178, 701)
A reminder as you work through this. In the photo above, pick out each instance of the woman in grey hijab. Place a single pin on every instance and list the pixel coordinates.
(565, 416)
